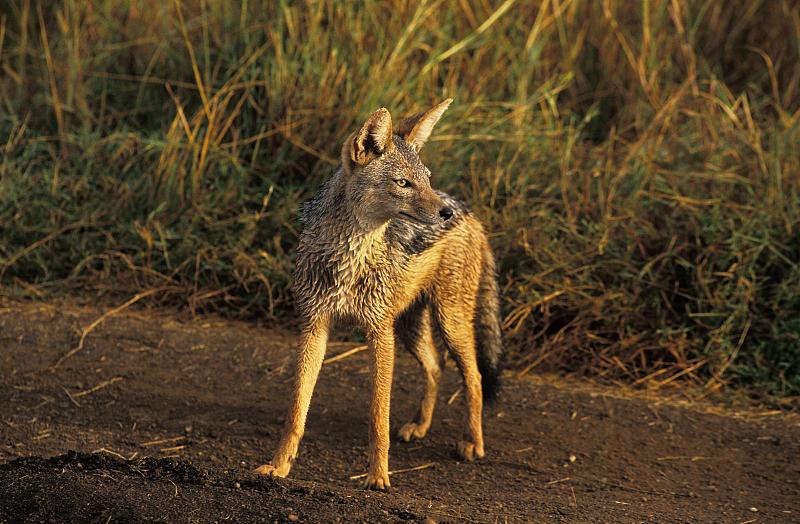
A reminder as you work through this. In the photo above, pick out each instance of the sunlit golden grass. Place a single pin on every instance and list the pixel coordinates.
(636, 162)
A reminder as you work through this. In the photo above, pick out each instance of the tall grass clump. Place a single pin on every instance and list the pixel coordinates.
(636, 162)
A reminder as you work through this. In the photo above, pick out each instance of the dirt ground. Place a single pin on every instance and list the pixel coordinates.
(160, 419)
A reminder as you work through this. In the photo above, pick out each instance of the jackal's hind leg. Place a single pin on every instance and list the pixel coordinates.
(309, 361)
(459, 337)
(416, 335)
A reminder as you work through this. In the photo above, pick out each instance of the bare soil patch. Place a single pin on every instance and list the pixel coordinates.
(160, 419)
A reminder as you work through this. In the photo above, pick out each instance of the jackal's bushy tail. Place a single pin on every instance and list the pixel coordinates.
(488, 339)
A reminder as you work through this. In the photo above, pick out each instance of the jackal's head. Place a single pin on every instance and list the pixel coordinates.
(384, 175)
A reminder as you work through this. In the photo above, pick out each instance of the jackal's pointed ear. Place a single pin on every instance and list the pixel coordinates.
(371, 141)
(416, 129)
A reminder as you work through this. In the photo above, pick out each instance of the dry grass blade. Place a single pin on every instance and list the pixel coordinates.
(193, 60)
(88, 329)
(112, 452)
(406, 470)
(343, 355)
(32, 247)
(558, 481)
(71, 397)
(98, 387)
(51, 72)
(505, 6)
(691, 459)
(454, 396)
(161, 441)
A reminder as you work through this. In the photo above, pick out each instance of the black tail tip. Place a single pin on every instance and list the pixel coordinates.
(490, 385)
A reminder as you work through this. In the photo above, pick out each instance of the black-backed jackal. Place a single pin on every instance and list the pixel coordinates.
(412, 267)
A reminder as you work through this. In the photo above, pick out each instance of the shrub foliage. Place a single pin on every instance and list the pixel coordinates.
(636, 162)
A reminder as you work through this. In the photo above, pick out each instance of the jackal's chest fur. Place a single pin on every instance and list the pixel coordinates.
(349, 276)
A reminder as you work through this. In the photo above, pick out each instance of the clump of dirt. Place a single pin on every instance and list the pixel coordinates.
(146, 467)
(86, 487)
(162, 419)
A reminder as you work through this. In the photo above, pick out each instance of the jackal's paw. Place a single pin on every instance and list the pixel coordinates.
(273, 471)
(379, 482)
(410, 431)
(469, 451)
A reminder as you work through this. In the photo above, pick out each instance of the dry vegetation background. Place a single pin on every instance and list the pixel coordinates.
(636, 161)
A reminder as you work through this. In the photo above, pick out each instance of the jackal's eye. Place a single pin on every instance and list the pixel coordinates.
(402, 182)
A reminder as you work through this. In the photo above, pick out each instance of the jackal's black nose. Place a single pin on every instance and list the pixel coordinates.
(446, 213)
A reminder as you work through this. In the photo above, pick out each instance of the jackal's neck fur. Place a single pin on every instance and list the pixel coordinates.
(337, 237)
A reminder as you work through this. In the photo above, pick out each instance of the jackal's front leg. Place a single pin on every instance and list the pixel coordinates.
(309, 361)
(382, 342)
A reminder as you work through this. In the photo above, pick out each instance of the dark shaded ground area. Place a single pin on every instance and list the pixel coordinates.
(167, 418)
